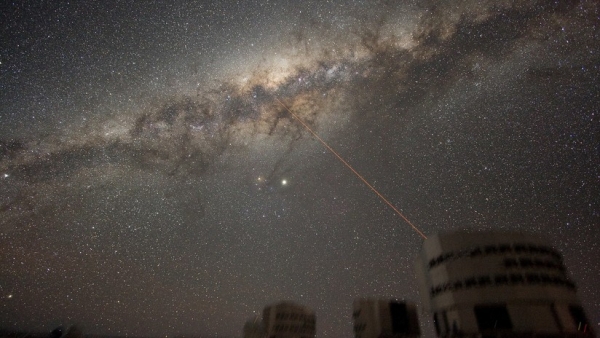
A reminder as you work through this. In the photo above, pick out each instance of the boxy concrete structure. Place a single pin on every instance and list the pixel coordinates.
(498, 284)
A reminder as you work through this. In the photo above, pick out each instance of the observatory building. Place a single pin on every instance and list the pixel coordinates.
(382, 318)
(254, 328)
(289, 320)
(498, 284)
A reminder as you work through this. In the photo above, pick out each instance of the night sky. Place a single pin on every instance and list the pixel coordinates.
(151, 183)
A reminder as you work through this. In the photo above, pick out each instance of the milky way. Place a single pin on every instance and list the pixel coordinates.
(151, 182)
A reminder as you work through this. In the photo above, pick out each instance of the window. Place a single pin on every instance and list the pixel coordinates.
(504, 248)
(492, 317)
(439, 260)
(463, 253)
(435, 290)
(533, 278)
(525, 262)
(520, 248)
(545, 278)
(484, 281)
(431, 263)
(490, 249)
(443, 257)
(516, 278)
(436, 324)
(544, 249)
(475, 252)
(511, 263)
(471, 282)
(446, 325)
(501, 279)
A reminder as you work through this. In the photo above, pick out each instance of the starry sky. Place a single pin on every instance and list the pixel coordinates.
(151, 182)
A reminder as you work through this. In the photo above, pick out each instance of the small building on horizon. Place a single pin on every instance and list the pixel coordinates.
(289, 320)
(384, 318)
(254, 328)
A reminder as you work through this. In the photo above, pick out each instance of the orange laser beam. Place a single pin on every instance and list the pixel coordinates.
(353, 170)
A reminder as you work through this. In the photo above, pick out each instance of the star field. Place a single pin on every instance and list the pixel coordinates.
(152, 184)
